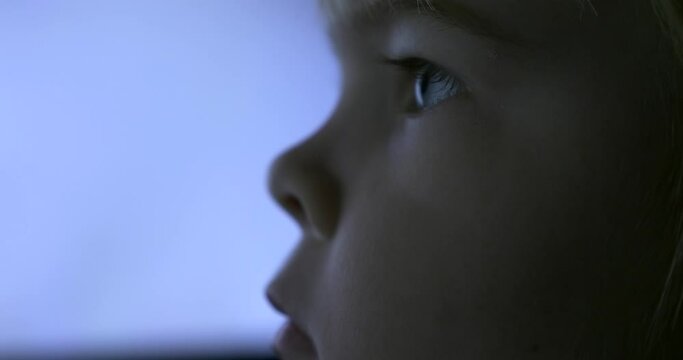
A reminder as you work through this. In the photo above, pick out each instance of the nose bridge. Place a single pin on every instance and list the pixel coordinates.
(303, 182)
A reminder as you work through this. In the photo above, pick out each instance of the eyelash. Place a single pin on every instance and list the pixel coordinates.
(422, 70)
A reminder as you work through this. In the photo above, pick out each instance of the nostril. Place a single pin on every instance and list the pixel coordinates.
(294, 207)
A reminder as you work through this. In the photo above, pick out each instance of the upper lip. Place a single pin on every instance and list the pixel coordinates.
(280, 307)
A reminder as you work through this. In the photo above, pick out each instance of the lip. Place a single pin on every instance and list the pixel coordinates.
(292, 342)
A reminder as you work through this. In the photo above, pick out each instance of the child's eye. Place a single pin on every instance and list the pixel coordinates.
(432, 84)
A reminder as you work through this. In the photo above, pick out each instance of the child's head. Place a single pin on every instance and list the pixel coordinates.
(501, 179)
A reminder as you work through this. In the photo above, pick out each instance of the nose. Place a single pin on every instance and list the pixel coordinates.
(302, 182)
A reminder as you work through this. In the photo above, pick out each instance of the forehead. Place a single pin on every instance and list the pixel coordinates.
(344, 10)
(528, 22)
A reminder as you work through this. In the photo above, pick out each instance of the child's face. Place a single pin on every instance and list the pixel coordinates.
(491, 214)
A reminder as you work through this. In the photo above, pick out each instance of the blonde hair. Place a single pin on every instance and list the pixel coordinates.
(663, 338)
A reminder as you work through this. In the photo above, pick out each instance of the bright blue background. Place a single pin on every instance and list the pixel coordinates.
(135, 138)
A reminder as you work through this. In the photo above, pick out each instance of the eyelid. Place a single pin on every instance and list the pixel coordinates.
(411, 63)
(419, 66)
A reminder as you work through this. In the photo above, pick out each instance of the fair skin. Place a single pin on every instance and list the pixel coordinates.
(495, 223)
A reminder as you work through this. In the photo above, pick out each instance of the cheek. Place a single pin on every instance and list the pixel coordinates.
(386, 283)
(461, 232)
(405, 277)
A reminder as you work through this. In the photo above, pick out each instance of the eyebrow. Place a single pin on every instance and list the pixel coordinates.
(450, 13)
